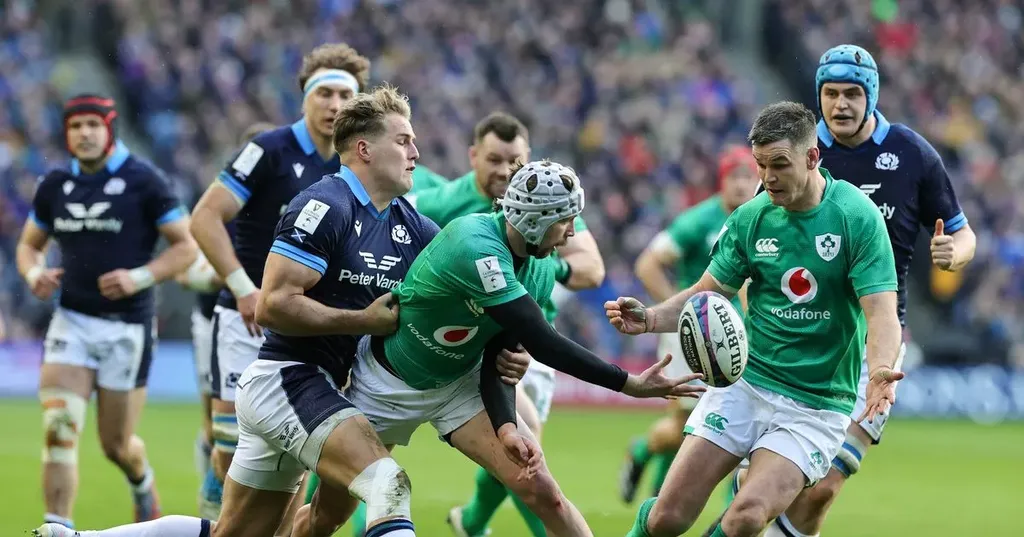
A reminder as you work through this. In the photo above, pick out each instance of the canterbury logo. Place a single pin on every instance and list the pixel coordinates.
(386, 263)
(80, 211)
(716, 422)
(767, 247)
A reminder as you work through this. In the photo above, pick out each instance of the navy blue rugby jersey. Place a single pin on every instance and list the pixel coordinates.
(102, 222)
(904, 175)
(359, 252)
(264, 176)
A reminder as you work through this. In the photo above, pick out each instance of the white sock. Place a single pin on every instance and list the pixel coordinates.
(56, 519)
(782, 527)
(168, 526)
(145, 484)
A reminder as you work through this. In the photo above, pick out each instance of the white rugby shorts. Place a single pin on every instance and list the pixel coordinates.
(539, 386)
(742, 418)
(234, 348)
(286, 411)
(396, 409)
(120, 353)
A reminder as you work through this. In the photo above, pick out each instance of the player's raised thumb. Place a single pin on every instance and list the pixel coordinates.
(939, 226)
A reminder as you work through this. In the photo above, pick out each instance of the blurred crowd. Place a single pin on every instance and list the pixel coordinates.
(635, 94)
(952, 70)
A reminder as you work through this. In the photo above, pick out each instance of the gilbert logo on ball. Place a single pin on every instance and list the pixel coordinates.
(713, 339)
(453, 336)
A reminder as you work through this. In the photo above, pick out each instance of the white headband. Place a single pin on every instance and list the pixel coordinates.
(331, 76)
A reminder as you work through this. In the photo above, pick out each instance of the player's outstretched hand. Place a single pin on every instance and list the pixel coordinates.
(381, 317)
(628, 315)
(46, 283)
(881, 392)
(521, 450)
(654, 383)
(247, 309)
(943, 247)
(512, 365)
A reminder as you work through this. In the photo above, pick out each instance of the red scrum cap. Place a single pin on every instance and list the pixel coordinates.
(733, 157)
(104, 107)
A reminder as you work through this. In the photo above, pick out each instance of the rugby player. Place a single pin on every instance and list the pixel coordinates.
(904, 176)
(789, 412)
(339, 249)
(685, 246)
(253, 190)
(500, 141)
(106, 212)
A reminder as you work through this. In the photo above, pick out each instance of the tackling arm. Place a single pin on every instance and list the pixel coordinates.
(586, 267)
(499, 398)
(664, 317)
(884, 333)
(217, 206)
(284, 308)
(523, 320)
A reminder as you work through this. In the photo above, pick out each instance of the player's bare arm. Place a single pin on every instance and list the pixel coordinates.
(652, 264)
(629, 316)
(883, 348)
(585, 262)
(523, 319)
(952, 252)
(284, 308)
(42, 281)
(179, 254)
(200, 276)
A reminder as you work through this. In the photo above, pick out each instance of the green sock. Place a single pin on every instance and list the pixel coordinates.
(639, 528)
(488, 496)
(718, 531)
(313, 483)
(641, 454)
(662, 463)
(534, 524)
(358, 521)
(730, 490)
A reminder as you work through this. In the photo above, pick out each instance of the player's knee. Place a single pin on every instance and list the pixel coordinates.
(670, 520)
(63, 419)
(818, 498)
(541, 493)
(386, 489)
(747, 516)
(847, 461)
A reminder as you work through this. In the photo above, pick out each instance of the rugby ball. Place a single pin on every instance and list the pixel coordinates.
(713, 339)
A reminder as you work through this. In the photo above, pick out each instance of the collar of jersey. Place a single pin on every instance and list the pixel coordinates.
(346, 174)
(881, 131)
(114, 162)
(305, 140)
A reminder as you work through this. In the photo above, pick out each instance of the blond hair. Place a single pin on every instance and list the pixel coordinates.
(365, 115)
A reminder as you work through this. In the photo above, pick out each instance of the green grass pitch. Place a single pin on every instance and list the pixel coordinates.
(928, 478)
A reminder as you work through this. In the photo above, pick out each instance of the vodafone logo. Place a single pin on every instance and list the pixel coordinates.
(799, 285)
(453, 336)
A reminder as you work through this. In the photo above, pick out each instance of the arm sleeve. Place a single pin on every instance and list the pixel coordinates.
(872, 264)
(938, 199)
(499, 398)
(162, 206)
(522, 319)
(41, 212)
(308, 233)
(247, 168)
(728, 255)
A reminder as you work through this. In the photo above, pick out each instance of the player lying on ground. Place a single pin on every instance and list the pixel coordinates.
(904, 176)
(475, 284)
(790, 410)
(318, 294)
(253, 190)
(202, 278)
(500, 141)
(686, 246)
(101, 335)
